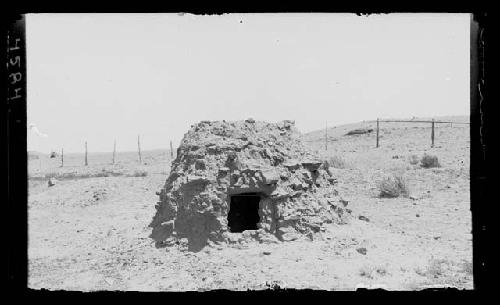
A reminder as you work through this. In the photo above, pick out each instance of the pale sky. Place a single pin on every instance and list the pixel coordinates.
(100, 77)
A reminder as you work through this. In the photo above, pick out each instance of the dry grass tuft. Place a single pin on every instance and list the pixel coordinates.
(369, 271)
(366, 270)
(435, 268)
(336, 162)
(429, 161)
(414, 159)
(394, 186)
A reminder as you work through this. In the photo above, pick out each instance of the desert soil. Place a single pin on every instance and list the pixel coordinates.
(90, 230)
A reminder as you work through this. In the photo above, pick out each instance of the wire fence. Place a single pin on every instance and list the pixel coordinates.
(166, 156)
(42, 162)
(432, 122)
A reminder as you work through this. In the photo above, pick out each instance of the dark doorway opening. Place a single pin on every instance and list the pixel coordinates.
(243, 212)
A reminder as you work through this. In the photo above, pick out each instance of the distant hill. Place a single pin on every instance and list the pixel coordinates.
(340, 130)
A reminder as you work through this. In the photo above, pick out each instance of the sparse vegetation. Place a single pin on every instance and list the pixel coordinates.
(95, 174)
(429, 161)
(445, 272)
(79, 175)
(369, 271)
(139, 173)
(336, 162)
(434, 269)
(393, 186)
(407, 248)
(106, 173)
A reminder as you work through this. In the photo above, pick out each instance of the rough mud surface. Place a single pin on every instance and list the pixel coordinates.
(219, 159)
(91, 232)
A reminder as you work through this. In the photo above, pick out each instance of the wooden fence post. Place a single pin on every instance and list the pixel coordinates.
(432, 133)
(114, 151)
(377, 131)
(171, 150)
(86, 161)
(62, 157)
(139, 149)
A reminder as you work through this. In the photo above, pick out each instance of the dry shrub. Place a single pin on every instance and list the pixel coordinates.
(50, 175)
(107, 173)
(73, 175)
(139, 173)
(414, 159)
(467, 268)
(429, 161)
(394, 186)
(366, 271)
(369, 271)
(336, 162)
(436, 268)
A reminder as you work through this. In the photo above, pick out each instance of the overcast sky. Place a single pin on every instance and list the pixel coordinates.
(97, 77)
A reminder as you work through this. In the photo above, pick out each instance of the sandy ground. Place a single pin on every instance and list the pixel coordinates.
(91, 233)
